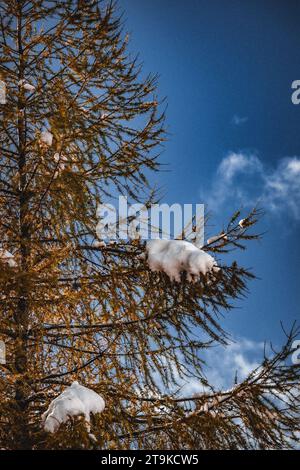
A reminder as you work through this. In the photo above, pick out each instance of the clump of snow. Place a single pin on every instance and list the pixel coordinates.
(176, 256)
(26, 86)
(60, 160)
(7, 258)
(47, 138)
(242, 223)
(93, 438)
(99, 244)
(73, 401)
(219, 238)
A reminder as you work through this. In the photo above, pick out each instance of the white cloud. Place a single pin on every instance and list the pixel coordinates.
(236, 163)
(239, 358)
(239, 120)
(282, 187)
(243, 178)
(223, 363)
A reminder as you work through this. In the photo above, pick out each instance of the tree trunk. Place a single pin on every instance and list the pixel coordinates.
(21, 317)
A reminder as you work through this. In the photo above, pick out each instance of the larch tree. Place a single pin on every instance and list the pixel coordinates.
(80, 124)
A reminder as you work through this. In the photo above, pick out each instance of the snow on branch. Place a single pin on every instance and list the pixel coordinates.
(75, 400)
(27, 86)
(176, 256)
(47, 138)
(7, 258)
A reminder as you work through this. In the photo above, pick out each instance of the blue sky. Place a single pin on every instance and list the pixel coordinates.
(226, 70)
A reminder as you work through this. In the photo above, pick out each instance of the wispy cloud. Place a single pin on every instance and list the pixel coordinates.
(282, 187)
(243, 178)
(223, 365)
(236, 163)
(238, 359)
(239, 120)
